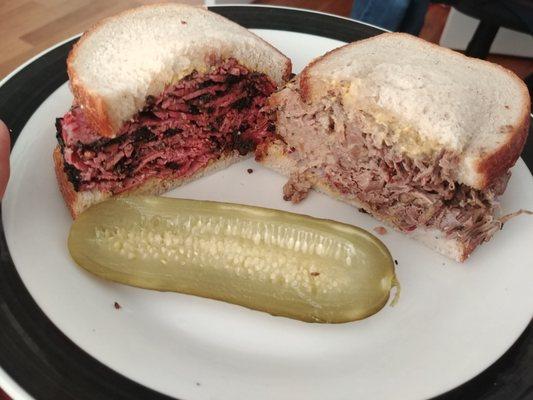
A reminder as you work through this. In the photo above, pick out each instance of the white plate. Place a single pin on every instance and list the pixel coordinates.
(452, 321)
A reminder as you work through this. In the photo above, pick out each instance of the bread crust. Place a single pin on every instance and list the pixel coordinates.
(498, 162)
(77, 202)
(65, 187)
(94, 106)
(491, 165)
(94, 109)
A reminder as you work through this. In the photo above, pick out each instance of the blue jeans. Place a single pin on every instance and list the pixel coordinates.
(394, 15)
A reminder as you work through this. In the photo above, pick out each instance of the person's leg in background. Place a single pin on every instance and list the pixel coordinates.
(394, 15)
(414, 17)
(387, 14)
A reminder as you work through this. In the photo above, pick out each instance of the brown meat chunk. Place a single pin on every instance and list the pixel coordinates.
(297, 188)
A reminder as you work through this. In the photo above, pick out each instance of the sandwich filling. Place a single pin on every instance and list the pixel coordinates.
(352, 155)
(191, 124)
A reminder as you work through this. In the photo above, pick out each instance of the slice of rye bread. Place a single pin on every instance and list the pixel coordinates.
(127, 57)
(474, 108)
(77, 202)
(275, 158)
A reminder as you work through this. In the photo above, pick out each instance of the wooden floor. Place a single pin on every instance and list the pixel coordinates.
(30, 26)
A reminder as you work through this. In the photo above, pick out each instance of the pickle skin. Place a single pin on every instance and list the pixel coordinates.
(286, 264)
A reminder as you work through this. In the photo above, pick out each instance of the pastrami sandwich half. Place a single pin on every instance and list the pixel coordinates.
(419, 136)
(163, 94)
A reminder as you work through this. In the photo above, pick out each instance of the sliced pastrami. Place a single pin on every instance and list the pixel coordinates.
(191, 123)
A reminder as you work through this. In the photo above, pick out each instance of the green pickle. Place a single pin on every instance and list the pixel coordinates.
(286, 264)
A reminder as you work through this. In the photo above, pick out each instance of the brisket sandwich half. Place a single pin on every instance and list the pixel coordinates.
(419, 136)
(163, 94)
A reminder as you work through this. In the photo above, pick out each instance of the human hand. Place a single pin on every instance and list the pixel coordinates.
(5, 143)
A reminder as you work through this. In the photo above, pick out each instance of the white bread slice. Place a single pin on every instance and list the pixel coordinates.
(127, 57)
(276, 159)
(474, 108)
(77, 202)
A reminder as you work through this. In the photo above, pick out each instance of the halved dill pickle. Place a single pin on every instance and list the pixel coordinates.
(279, 262)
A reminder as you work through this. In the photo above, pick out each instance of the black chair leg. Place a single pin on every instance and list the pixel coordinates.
(480, 43)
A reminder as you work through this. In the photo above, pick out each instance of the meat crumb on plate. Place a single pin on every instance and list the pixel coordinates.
(380, 230)
(297, 188)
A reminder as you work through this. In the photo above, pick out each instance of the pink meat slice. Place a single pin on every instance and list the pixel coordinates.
(177, 133)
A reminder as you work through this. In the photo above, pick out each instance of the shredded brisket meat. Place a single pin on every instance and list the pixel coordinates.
(408, 192)
(190, 124)
(419, 193)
